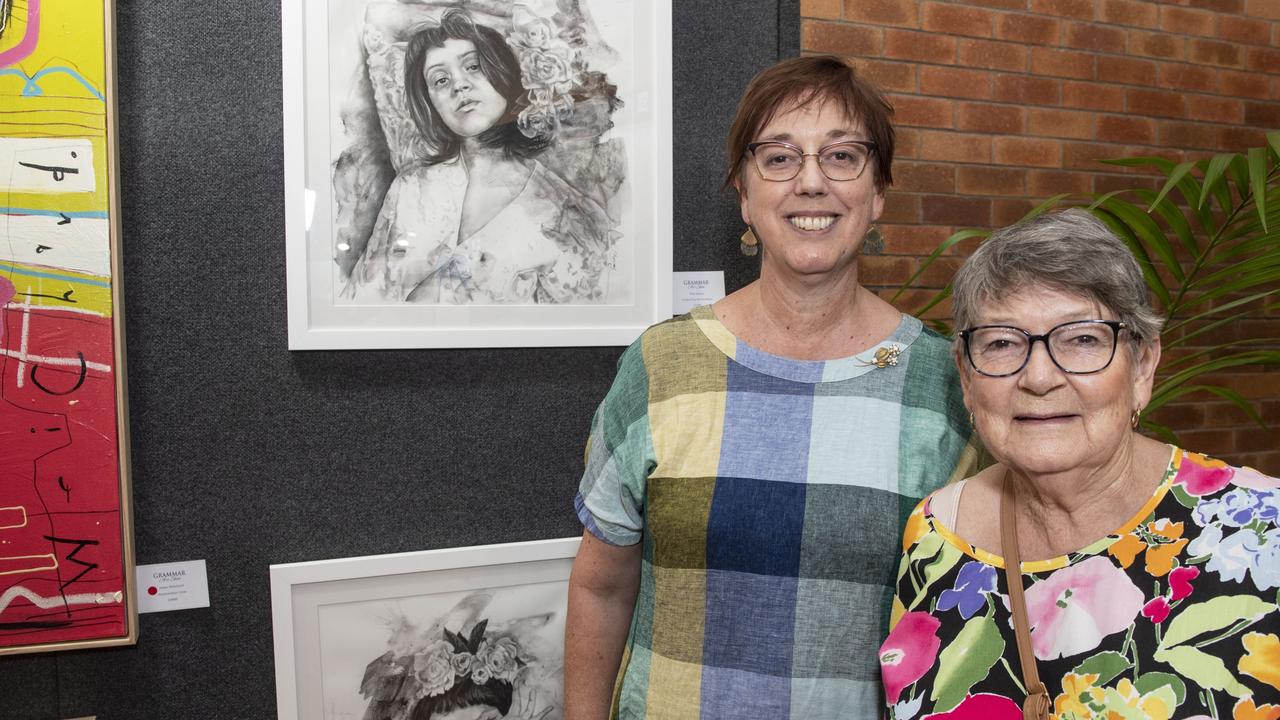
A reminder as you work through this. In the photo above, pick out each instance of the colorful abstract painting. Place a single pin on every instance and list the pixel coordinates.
(65, 557)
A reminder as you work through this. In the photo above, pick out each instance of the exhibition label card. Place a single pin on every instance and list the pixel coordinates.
(172, 586)
(691, 289)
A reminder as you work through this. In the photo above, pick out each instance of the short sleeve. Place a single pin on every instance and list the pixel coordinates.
(619, 456)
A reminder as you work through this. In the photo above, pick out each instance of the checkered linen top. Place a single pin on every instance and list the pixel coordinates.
(769, 494)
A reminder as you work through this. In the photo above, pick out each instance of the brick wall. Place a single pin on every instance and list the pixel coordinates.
(1002, 103)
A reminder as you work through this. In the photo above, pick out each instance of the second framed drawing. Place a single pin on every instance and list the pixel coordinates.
(419, 634)
(483, 173)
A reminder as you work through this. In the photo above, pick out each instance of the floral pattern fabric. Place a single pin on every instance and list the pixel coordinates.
(1173, 615)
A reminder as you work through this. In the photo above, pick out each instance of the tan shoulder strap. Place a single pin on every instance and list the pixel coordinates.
(1036, 706)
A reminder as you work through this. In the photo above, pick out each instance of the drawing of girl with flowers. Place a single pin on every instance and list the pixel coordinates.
(483, 671)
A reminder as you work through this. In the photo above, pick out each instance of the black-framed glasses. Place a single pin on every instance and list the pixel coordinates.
(1079, 347)
(781, 161)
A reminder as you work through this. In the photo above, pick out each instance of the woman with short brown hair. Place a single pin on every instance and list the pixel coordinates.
(748, 471)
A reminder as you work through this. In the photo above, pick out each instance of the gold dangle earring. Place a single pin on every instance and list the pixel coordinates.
(749, 243)
(873, 241)
(1134, 419)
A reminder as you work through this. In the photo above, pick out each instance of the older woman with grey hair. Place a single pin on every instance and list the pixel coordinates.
(1120, 576)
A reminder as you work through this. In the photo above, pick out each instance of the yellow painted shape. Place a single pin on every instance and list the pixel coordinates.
(89, 294)
(71, 35)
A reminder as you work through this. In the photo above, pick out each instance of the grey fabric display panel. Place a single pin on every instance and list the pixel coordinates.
(246, 454)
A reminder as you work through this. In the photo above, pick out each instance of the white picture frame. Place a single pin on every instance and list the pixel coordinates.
(324, 615)
(344, 295)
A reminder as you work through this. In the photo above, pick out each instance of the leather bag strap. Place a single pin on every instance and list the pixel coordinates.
(1036, 706)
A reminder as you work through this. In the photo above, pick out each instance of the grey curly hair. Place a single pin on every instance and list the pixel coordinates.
(1070, 251)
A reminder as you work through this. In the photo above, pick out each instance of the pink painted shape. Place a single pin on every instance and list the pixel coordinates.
(7, 291)
(27, 45)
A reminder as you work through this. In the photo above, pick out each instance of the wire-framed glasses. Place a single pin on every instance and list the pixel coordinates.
(781, 161)
(1079, 347)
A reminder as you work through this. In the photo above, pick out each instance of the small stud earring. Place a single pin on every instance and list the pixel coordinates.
(750, 244)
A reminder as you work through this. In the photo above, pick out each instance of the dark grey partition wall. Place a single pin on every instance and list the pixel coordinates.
(245, 454)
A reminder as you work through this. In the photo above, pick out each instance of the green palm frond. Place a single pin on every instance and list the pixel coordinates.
(1208, 243)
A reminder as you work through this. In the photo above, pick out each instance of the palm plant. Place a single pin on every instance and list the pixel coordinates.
(1208, 243)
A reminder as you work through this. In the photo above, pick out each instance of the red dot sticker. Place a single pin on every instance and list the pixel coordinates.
(152, 590)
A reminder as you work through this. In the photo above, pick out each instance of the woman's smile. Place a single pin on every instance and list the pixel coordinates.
(812, 223)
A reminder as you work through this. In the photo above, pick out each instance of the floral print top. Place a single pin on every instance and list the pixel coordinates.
(1173, 615)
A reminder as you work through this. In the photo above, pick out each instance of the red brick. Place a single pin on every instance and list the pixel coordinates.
(954, 147)
(1095, 37)
(1027, 152)
(916, 239)
(994, 55)
(1187, 22)
(1003, 4)
(840, 39)
(1244, 30)
(921, 111)
(1008, 212)
(1110, 183)
(1243, 84)
(942, 270)
(1187, 135)
(1126, 71)
(955, 82)
(882, 12)
(919, 46)
(1215, 109)
(1046, 183)
(1221, 6)
(1026, 90)
(1062, 63)
(1078, 9)
(1130, 12)
(1188, 77)
(1262, 115)
(826, 9)
(907, 143)
(1263, 60)
(1085, 156)
(1209, 442)
(978, 117)
(1030, 29)
(982, 180)
(1044, 122)
(1269, 9)
(956, 19)
(884, 270)
(1092, 96)
(901, 208)
(1216, 52)
(1160, 103)
(1126, 129)
(1158, 45)
(955, 210)
(1240, 139)
(890, 76)
(930, 177)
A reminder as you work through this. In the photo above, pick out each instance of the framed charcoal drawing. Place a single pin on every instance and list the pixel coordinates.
(476, 173)
(66, 541)
(387, 637)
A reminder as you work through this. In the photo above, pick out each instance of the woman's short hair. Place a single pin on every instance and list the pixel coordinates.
(810, 79)
(464, 694)
(1070, 251)
(500, 68)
